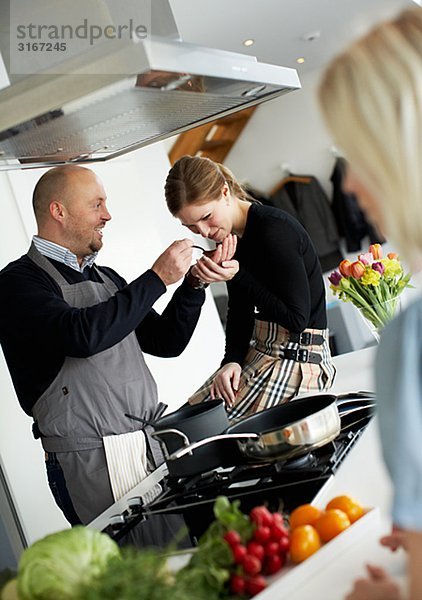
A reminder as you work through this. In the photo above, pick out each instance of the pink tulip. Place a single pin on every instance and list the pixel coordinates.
(376, 251)
(366, 259)
(344, 268)
(357, 269)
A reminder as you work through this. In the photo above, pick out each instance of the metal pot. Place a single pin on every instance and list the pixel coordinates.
(278, 433)
(192, 423)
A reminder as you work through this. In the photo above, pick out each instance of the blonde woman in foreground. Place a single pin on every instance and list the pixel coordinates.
(371, 99)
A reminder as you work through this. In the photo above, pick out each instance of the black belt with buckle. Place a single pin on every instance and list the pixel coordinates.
(302, 355)
(306, 339)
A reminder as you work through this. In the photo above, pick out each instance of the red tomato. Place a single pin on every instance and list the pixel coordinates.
(251, 565)
(284, 544)
(278, 518)
(239, 552)
(255, 585)
(256, 550)
(271, 548)
(278, 531)
(273, 564)
(261, 516)
(262, 534)
(237, 584)
(232, 537)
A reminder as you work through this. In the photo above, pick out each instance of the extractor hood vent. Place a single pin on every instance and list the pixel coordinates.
(118, 97)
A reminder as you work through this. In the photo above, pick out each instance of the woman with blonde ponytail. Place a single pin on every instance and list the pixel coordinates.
(276, 333)
(371, 99)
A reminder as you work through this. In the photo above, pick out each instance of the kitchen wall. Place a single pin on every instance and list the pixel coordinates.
(289, 132)
(141, 228)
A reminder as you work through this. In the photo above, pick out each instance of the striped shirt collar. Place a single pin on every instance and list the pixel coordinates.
(61, 254)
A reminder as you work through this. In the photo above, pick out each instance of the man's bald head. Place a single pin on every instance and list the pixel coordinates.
(55, 184)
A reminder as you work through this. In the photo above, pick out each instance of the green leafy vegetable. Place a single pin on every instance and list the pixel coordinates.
(144, 576)
(56, 566)
(209, 567)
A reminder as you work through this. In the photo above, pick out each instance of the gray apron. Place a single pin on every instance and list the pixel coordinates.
(88, 400)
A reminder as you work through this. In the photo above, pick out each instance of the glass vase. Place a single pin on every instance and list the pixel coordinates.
(377, 316)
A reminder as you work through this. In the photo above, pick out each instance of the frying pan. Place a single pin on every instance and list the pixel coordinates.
(191, 423)
(277, 433)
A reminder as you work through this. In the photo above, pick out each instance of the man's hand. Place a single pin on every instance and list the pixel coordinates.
(174, 262)
(226, 383)
(378, 586)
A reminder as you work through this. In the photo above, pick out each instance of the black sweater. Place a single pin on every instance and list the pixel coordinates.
(279, 280)
(38, 329)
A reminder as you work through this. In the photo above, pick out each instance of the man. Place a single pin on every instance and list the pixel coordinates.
(73, 335)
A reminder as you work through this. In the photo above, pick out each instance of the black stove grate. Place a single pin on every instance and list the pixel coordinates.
(281, 485)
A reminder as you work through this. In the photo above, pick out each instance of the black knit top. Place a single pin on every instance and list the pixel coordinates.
(279, 280)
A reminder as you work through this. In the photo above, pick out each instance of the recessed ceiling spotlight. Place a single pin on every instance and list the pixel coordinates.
(300, 60)
(249, 42)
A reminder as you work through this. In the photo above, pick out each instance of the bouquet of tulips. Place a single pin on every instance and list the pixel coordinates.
(372, 283)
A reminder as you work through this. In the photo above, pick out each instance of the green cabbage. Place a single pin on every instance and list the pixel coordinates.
(55, 567)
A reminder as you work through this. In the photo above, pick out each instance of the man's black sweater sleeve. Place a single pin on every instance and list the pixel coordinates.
(168, 334)
(39, 329)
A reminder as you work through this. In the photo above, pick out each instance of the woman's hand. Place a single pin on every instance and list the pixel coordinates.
(396, 539)
(226, 383)
(378, 586)
(217, 265)
(224, 251)
(209, 271)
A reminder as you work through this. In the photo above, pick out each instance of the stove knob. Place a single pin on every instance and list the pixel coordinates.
(135, 502)
(116, 520)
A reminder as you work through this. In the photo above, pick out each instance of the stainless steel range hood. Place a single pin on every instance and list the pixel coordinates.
(120, 96)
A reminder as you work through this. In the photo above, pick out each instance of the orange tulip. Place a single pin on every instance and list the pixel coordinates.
(357, 269)
(376, 251)
(392, 255)
(344, 268)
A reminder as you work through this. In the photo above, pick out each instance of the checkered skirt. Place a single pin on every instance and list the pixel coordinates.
(268, 379)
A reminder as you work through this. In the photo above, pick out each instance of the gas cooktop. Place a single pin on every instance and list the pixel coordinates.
(160, 506)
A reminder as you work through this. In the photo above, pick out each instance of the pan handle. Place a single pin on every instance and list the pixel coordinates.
(350, 396)
(343, 413)
(185, 440)
(225, 436)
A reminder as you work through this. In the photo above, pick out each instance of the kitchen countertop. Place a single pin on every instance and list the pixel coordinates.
(363, 476)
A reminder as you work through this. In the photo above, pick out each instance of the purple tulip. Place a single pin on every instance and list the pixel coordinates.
(378, 266)
(335, 278)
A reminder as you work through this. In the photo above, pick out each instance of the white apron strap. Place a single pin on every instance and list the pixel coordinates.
(126, 461)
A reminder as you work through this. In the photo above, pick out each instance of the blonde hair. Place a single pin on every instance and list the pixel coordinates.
(195, 180)
(371, 100)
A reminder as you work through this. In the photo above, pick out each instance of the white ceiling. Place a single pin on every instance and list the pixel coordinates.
(278, 26)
